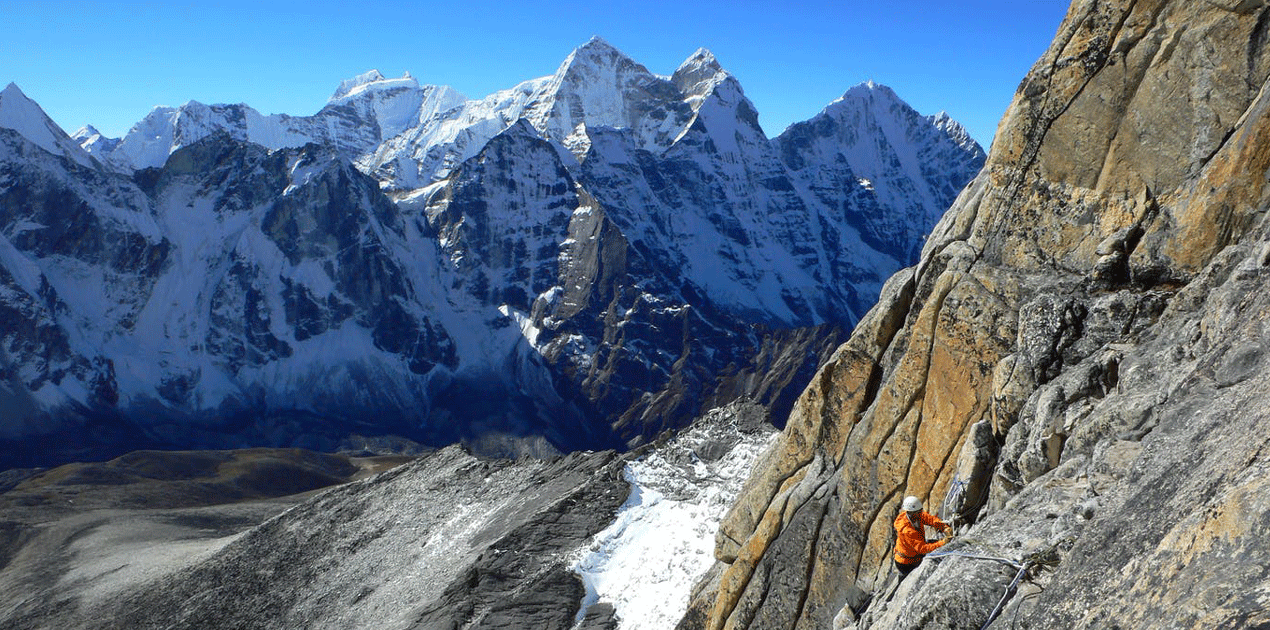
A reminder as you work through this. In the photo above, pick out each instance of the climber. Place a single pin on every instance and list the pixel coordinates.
(910, 535)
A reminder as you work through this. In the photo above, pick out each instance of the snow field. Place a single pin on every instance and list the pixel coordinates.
(662, 540)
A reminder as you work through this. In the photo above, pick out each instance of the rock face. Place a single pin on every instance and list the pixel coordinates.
(1079, 354)
(580, 262)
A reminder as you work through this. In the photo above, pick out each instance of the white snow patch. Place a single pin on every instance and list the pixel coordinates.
(662, 540)
(371, 80)
(524, 321)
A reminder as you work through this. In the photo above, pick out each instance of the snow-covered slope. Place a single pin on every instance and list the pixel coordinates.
(91, 140)
(661, 541)
(21, 114)
(583, 260)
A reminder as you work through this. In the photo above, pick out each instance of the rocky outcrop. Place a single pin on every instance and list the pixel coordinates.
(1077, 353)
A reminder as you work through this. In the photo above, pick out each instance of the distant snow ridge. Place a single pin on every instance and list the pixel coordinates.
(662, 540)
(584, 260)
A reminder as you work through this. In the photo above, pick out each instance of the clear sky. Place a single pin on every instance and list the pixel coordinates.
(110, 63)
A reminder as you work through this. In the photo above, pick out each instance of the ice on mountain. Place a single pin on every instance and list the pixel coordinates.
(915, 164)
(698, 75)
(347, 85)
(372, 82)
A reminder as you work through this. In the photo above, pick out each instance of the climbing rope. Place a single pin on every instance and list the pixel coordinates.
(1021, 568)
(953, 497)
(974, 556)
(955, 494)
(1005, 597)
(968, 541)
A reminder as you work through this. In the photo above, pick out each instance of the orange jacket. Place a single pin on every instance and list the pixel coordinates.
(910, 541)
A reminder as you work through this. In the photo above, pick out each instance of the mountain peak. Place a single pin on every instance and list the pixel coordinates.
(869, 89)
(348, 85)
(13, 98)
(596, 52)
(703, 58)
(597, 44)
(867, 95)
(371, 80)
(12, 89)
(23, 115)
(956, 132)
(520, 129)
(87, 131)
(699, 74)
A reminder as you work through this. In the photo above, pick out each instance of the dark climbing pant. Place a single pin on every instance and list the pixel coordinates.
(905, 569)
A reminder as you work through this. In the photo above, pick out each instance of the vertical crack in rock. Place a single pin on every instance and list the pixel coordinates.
(805, 589)
(890, 499)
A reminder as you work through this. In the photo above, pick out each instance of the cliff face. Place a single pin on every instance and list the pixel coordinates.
(1082, 344)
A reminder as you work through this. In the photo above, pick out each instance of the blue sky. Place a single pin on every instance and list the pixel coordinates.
(109, 63)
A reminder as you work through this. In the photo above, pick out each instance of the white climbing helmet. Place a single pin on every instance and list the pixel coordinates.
(912, 504)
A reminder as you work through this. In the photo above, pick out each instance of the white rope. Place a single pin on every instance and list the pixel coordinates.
(961, 554)
(954, 495)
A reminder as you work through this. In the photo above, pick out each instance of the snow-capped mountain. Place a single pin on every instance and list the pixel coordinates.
(92, 141)
(580, 261)
(904, 168)
(364, 111)
(21, 114)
